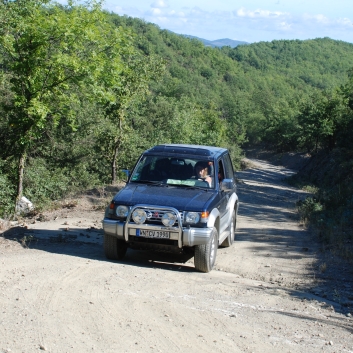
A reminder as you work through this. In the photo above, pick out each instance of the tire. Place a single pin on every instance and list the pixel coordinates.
(205, 255)
(231, 236)
(114, 248)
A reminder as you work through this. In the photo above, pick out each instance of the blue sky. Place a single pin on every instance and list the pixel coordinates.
(250, 20)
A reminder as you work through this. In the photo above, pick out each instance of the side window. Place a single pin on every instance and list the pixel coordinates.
(220, 171)
(229, 172)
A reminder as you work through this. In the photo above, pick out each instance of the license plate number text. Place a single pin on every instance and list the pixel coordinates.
(152, 233)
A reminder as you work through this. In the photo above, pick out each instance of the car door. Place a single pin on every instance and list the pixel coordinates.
(228, 195)
(229, 171)
(221, 173)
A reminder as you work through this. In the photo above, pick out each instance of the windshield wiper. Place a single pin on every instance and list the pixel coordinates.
(190, 186)
(150, 182)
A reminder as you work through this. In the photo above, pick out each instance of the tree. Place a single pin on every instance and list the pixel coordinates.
(53, 55)
(319, 121)
(133, 85)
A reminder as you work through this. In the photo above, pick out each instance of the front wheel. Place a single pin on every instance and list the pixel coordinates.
(231, 236)
(114, 248)
(205, 255)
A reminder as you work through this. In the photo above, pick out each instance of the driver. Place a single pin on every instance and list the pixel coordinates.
(201, 170)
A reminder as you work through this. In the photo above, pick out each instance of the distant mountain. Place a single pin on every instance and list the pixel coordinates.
(218, 42)
(228, 42)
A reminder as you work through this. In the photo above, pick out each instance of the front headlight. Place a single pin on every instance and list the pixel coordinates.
(192, 217)
(139, 216)
(122, 211)
(168, 219)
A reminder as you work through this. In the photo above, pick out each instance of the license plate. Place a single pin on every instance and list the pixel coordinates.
(152, 233)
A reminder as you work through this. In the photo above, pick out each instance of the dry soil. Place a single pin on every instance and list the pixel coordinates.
(272, 291)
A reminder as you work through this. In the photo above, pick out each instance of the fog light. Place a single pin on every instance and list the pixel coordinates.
(168, 219)
(139, 216)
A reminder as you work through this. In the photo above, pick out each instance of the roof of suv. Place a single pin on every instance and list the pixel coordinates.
(196, 150)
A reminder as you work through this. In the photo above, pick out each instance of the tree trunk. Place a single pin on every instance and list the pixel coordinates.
(316, 144)
(116, 150)
(331, 142)
(21, 168)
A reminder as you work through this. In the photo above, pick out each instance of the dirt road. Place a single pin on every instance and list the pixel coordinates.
(272, 291)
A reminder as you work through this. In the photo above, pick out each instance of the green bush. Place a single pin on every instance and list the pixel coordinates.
(309, 208)
(44, 184)
(7, 196)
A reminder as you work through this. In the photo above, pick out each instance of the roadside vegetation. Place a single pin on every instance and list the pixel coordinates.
(83, 92)
(329, 211)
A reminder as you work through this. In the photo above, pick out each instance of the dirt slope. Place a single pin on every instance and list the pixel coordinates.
(267, 294)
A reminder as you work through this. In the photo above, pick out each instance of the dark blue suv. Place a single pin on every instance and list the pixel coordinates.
(178, 198)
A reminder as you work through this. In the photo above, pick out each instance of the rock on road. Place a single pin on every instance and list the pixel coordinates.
(58, 293)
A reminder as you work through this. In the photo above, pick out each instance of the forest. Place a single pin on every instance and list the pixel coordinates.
(83, 92)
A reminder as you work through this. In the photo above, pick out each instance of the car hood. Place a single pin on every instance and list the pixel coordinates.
(181, 198)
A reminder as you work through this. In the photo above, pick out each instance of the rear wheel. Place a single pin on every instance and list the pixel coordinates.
(231, 236)
(114, 248)
(205, 255)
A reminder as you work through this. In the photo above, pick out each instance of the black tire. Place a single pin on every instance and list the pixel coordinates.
(114, 248)
(205, 255)
(231, 236)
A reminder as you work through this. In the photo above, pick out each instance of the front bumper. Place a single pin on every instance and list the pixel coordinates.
(185, 236)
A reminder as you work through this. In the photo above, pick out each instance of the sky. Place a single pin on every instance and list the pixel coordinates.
(249, 21)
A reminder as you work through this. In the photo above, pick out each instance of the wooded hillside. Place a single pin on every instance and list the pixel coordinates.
(119, 85)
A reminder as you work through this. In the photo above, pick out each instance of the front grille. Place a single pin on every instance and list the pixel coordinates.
(154, 216)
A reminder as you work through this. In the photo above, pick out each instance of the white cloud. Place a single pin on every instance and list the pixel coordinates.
(159, 4)
(316, 18)
(345, 22)
(177, 14)
(242, 12)
(156, 12)
(322, 19)
(324, 23)
(163, 20)
(285, 26)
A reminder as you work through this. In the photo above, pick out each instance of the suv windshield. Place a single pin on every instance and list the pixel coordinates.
(174, 171)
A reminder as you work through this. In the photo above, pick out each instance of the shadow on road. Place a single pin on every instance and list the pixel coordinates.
(77, 242)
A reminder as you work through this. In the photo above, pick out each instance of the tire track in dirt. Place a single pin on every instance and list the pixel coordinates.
(271, 246)
(72, 299)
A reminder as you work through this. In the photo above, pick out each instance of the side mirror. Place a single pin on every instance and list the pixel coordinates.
(227, 185)
(126, 172)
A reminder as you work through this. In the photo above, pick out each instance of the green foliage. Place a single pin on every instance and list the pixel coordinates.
(319, 121)
(7, 192)
(48, 49)
(280, 77)
(45, 183)
(319, 63)
(54, 55)
(133, 86)
(330, 213)
(83, 92)
(309, 208)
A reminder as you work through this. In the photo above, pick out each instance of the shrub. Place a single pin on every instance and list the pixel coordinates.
(309, 208)
(44, 184)
(7, 196)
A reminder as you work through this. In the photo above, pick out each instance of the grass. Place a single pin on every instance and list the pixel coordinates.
(328, 211)
(331, 221)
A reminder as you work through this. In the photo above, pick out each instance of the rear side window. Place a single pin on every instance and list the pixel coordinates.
(229, 171)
